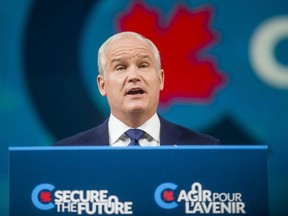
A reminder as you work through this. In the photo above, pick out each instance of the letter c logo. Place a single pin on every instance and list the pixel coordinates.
(35, 196)
(158, 195)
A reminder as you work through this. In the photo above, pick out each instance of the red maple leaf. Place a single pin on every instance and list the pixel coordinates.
(188, 72)
(168, 196)
(45, 196)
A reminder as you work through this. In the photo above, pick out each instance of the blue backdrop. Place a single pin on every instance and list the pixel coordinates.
(225, 61)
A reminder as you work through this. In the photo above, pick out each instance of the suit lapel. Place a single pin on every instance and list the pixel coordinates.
(169, 133)
(100, 135)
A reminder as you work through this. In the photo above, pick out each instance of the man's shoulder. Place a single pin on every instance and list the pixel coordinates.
(92, 136)
(198, 137)
(81, 138)
(184, 135)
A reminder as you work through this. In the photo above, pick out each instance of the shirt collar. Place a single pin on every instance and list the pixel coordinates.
(116, 128)
(152, 127)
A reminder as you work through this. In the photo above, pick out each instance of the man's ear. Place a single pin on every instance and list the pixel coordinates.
(101, 85)
(161, 78)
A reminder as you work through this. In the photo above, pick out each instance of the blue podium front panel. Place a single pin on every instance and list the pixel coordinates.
(195, 180)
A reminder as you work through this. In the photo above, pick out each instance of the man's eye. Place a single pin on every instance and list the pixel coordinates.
(119, 68)
(143, 66)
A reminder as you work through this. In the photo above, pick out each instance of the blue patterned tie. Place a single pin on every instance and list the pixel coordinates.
(135, 135)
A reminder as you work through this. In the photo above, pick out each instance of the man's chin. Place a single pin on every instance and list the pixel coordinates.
(137, 110)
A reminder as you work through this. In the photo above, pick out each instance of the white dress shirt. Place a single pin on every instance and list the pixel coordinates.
(116, 130)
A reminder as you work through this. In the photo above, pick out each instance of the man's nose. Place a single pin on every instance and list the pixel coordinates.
(133, 73)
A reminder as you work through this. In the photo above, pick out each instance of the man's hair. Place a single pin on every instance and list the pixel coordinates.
(101, 52)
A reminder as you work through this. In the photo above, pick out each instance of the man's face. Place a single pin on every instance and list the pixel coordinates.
(132, 82)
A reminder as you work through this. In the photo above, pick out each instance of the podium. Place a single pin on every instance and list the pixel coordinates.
(188, 180)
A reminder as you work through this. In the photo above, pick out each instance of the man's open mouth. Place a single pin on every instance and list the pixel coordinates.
(135, 91)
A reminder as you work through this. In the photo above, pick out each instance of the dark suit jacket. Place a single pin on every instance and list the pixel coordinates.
(170, 134)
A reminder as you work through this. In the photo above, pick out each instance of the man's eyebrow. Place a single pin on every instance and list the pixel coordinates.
(145, 56)
(121, 59)
(116, 60)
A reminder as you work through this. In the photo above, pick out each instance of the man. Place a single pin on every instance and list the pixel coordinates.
(131, 78)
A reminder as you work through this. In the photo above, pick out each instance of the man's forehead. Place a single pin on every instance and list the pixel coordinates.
(130, 43)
